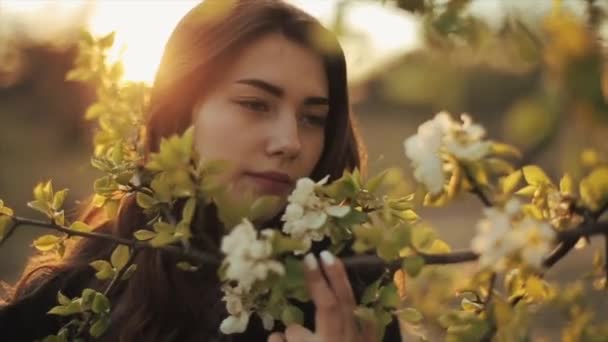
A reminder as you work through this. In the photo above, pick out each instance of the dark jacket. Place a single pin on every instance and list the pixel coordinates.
(26, 320)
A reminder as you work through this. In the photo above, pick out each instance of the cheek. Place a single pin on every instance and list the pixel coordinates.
(215, 130)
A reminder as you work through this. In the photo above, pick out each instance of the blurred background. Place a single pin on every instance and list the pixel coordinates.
(532, 72)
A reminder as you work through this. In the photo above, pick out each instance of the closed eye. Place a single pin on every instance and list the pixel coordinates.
(254, 104)
(315, 120)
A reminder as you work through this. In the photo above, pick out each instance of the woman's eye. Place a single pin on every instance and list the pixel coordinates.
(315, 120)
(255, 105)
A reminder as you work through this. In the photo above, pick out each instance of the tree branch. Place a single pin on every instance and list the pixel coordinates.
(194, 254)
(476, 189)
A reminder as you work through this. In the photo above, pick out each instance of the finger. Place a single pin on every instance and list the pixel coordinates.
(297, 333)
(368, 331)
(338, 279)
(328, 321)
(276, 337)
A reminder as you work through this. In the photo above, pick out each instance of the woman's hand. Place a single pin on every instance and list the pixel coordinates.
(335, 304)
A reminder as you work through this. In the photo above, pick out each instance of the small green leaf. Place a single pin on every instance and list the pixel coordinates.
(505, 150)
(186, 266)
(101, 304)
(389, 297)
(59, 198)
(104, 269)
(292, 314)
(99, 326)
(371, 292)
(188, 211)
(412, 265)
(66, 310)
(469, 305)
(264, 207)
(145, 201)
(87, 298)
(423, 236)
(4, 224)
(62, 299)
(46, 243)
(81, 226)
(534, 175)
(120, 257)
(508, 183)
(527, 191)
(566, 185)
(144, 234)
(410, 315)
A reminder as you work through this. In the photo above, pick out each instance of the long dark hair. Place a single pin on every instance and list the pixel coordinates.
(161, 301)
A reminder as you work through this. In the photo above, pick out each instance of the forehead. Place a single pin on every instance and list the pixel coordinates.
(275, 59)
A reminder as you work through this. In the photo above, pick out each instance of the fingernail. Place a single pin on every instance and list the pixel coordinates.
(311, 262)
(328, 258)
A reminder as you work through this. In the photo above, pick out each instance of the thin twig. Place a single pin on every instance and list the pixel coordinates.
(476, 189)
(194, 254)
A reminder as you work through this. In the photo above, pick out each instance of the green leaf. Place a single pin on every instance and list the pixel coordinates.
(389, 297)
(412, 265)
(99, 326)
(508, 183)
(62, 299)
(188, 211)
(371, 292)
(81, 226)
(163, 239)
(104, 269)
(264, 207)
(534, 175)
(145, 201)
(46, 243)
(527, 191)
(469, 305)
(186, 266)
(566, 185)
(87, 297)
(101, 304)
(40, 206)
(504, 150)
(59, 198)
(292, 314)
(120, 257)
(423, 236)
(144, 234)
(6, 211)
(4, 224)
(66, 310)
(410, 315)
(375, 182)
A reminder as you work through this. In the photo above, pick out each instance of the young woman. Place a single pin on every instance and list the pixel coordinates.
(264, 84)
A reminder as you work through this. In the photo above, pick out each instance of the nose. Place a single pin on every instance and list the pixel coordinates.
(284, 140)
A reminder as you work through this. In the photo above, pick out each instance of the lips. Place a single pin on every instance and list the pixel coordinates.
(276, 183)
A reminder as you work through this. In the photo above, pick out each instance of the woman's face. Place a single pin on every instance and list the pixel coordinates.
(266, 116)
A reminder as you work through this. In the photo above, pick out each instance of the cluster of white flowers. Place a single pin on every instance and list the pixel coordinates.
(442, 133)
(248, 258)
(307, 213)
(505, 233)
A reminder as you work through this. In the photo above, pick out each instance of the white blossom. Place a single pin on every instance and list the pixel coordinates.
(442, 133)
(506, 233)
(248, 257)
(537, 240)
(465, 141)
(307, 213)
(423, 150)
(238, 308)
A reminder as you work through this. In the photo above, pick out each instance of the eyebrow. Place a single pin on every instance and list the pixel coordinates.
(279, 92)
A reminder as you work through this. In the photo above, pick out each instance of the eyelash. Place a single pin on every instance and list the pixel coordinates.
(262, 106)
(255, 105)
